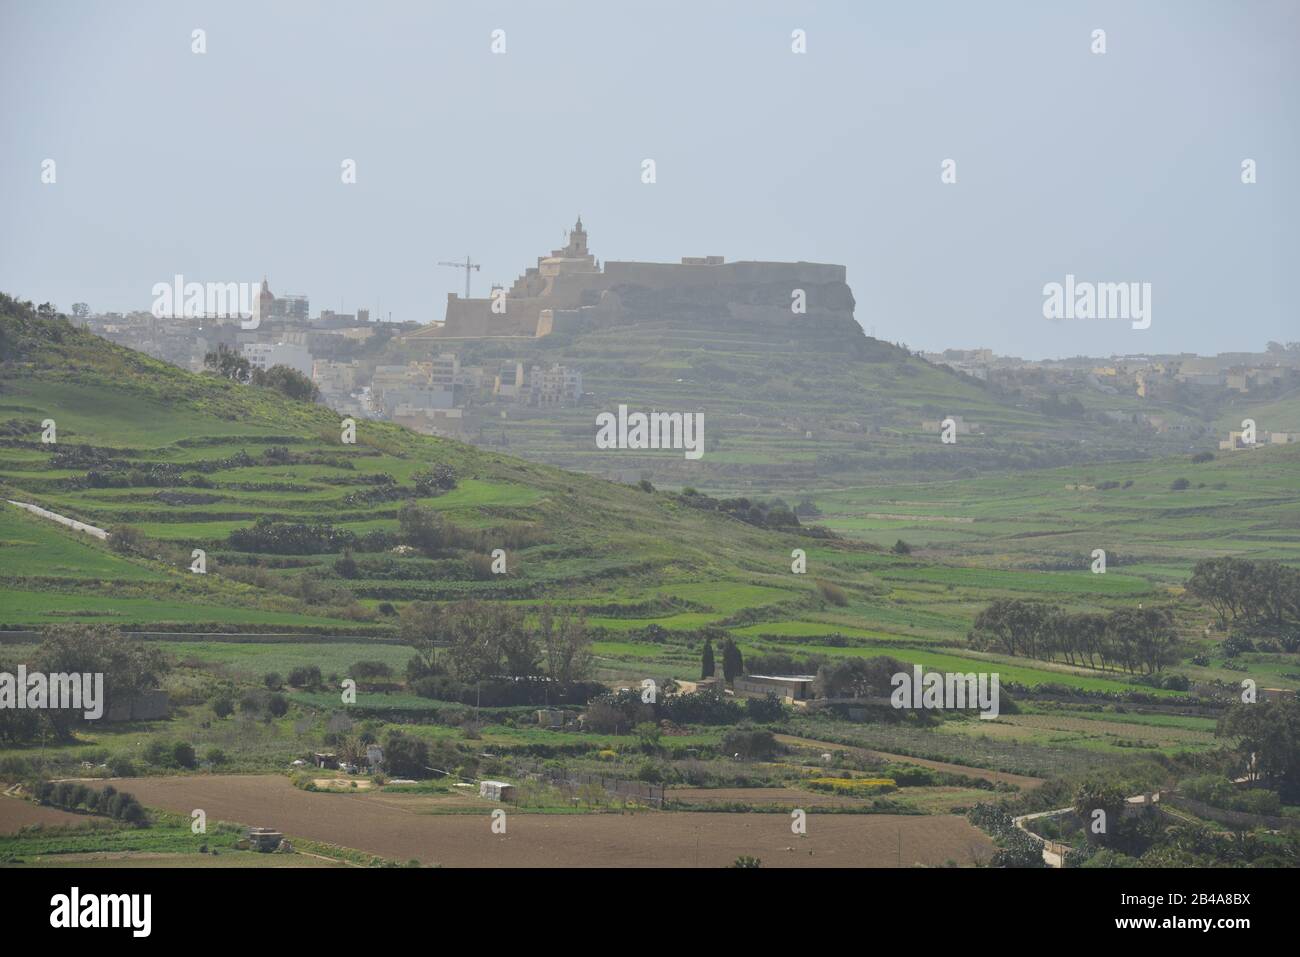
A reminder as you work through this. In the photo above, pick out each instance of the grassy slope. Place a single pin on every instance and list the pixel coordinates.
(787, 412)
(607, 546)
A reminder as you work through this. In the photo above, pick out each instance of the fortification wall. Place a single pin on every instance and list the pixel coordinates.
(742, 291)
(469, 318)
(664, 275)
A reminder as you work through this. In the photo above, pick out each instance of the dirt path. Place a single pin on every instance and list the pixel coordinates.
(1004, 777)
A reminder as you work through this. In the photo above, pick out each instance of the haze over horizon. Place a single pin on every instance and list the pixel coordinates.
(1122, 167)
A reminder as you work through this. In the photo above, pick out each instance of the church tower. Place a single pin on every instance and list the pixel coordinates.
(577, 247)
(265, 299)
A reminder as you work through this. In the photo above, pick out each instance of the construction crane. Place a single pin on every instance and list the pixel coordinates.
(467, 266)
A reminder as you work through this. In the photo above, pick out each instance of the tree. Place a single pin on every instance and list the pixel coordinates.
(858, 677)
(707, 666)
(648, 734)
(1095, 795)
(566, 644)
(733, 665)
(1145, 637)
(288, 382)
(228, 364)
(406, 756)
(517, 643)
(424, 529)
(901, 548)
(473, 652)
(1011, 626)
(418, 626)
(1268, 734)
(1217, 581)
(129, 667)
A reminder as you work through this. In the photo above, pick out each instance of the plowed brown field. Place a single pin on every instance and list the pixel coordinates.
(402, 831)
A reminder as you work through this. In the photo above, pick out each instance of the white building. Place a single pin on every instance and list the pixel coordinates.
(264, 355)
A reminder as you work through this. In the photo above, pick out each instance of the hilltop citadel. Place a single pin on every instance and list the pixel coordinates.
(571, 283)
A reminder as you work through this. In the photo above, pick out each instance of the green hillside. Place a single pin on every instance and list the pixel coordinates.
(182, 461)
(783, 408)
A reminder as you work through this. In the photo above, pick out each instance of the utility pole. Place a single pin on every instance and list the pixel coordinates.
(467, 266)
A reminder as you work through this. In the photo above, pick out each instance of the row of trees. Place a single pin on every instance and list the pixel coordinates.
(489, 639)
(733, 663)
(129, 667)
(1259, 594)
(1137, 640)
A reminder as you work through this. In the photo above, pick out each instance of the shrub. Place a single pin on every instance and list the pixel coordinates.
(752, 744)
(307, 676)
(223, 706)
(121, 766)
(766, 709)
(833, 593)
(346, 566)
(1235, 645)
(125, 539)
(371, 669)
(158, 753)
(183, 754)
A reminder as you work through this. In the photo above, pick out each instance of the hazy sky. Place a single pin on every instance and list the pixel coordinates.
(224, 166)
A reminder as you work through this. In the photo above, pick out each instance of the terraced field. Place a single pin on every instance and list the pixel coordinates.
(202, 463)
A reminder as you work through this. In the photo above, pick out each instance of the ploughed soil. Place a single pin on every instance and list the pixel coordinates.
(409, 829)
(983, 774)
(764, 797)
(18, 812)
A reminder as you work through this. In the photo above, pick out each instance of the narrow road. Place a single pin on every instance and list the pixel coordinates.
(72, 523)
(1056, 858)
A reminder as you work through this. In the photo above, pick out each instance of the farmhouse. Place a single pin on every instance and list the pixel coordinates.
(788, 688)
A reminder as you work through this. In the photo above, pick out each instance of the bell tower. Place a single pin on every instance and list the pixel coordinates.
(577, 247)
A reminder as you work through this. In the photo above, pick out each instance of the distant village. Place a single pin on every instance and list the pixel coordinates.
(342, 353)
(1184, 379)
